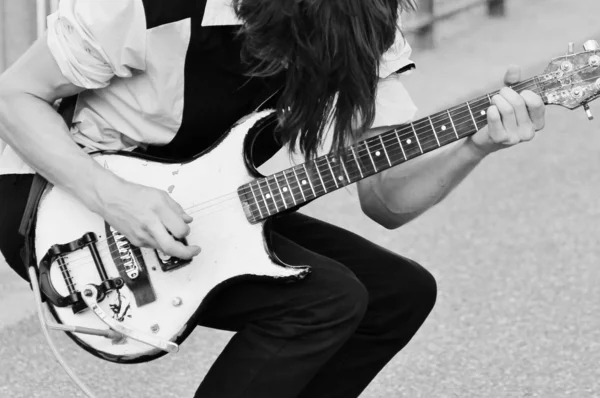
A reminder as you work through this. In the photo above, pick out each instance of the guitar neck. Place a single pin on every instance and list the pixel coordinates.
(297, 185)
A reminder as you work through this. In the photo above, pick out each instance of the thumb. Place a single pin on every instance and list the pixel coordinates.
(512, 75)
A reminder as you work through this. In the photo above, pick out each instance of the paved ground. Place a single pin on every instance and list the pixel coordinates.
(514, 250)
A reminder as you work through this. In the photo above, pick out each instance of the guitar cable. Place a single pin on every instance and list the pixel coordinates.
(42, 319)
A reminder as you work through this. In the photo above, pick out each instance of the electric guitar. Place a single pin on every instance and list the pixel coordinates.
(128, 304)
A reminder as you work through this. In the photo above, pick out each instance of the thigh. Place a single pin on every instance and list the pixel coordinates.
(14, 191)
(330, 291)
(390, 278)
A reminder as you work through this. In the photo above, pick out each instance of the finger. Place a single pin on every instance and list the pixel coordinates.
(507, 112)
(536, 108)
(518, 105)
(174, 223)
(512, 75)
(177, 207)
(168, 245)
(495, 128)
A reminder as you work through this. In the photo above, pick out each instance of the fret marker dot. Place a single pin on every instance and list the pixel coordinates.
(303, 182)
(341, 178)
(377, 153)
(268, 196)
(408, 141)
(285, 189)
(482, 113)
(443, 128)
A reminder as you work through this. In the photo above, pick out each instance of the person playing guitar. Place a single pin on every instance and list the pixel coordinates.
(168, 78)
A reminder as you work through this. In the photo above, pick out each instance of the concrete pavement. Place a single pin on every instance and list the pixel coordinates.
(514, 249)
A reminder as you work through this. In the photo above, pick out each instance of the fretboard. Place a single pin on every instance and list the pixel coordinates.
(268, 196)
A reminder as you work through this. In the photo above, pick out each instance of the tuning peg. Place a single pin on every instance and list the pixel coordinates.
(571, 48)
(591, 45)
(588, 111)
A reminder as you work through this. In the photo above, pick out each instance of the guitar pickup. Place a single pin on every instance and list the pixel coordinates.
(168, 263)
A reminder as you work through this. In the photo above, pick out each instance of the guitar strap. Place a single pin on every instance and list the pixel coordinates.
(66, 109)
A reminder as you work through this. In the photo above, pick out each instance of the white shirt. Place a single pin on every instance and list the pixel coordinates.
(134, 73)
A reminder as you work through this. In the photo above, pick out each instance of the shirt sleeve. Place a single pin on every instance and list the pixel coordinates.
(94, 40)
(397, 57)
(393, 104)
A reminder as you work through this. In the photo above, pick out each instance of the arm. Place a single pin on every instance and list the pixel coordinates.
(397, 196)
(29, 124)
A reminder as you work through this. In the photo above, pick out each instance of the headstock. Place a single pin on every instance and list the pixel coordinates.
(573, 80)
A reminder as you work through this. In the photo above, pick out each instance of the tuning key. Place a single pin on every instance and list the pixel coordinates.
(588, 111)
(591, 45)
(571, 48)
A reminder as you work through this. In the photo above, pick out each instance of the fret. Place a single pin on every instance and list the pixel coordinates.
(309, 180)
(346, 172)
(479, 108)
(281, 192)
(379, 156)
(427, 135)
(416, 137)
(271, 192)
(472, 116)
(434, 133)
(256, 200)
(400, 143)
(332, 173)
(262, 195)
(410, 147)
(453, 126)
(385, 150)
(287, 182)
(370, 156)
(299, 184)
(443, 127)
(357, 163)
(319, 174)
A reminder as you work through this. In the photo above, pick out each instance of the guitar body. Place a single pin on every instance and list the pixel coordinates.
(143, 304)
(162, 303)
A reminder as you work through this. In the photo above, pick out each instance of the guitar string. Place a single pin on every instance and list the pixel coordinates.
(321, 162)
(457, 122)
(407, 132)
(524, 85)
(457, 118)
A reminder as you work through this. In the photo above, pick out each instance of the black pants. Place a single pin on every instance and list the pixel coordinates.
(326, 336)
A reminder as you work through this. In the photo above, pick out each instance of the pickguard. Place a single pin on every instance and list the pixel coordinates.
(164, 304)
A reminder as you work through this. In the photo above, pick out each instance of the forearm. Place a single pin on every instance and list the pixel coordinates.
(400, 194)
(37, 132)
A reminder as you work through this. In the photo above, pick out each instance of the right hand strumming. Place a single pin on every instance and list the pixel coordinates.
(148, 217)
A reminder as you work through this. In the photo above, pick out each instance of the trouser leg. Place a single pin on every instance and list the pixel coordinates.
(401, 296)
(286, 332)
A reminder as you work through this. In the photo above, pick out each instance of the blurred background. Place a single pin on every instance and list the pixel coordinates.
(514, 249)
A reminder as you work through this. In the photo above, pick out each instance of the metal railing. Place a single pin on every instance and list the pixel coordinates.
(431, 12)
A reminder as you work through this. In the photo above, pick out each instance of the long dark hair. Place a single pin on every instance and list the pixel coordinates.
(324, 47)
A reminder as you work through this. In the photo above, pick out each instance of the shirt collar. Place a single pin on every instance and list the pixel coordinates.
(219, 13)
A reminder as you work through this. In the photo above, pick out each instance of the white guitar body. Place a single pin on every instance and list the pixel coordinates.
(232, 248)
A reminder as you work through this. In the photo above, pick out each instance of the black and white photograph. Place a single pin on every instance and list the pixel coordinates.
(299, 198)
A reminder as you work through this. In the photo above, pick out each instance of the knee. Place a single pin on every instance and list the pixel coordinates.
(416, 293)
(342, 306)
(425, 290)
